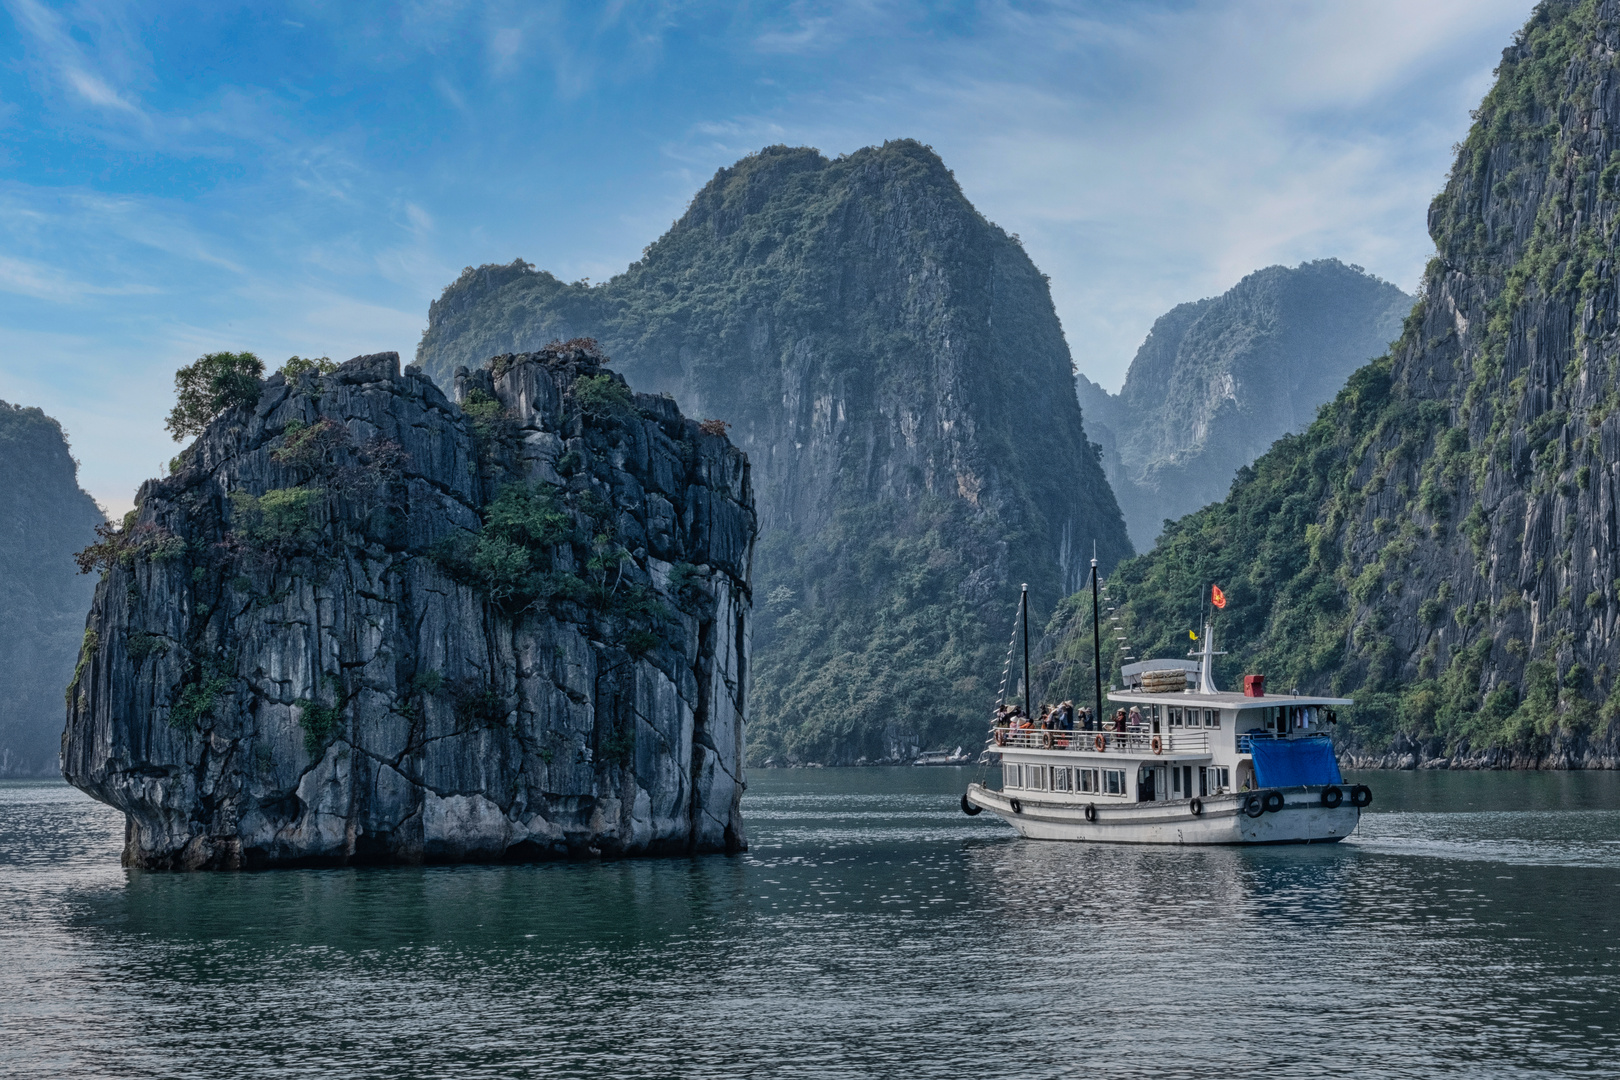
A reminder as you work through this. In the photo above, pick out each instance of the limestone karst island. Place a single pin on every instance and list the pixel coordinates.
(955, 540)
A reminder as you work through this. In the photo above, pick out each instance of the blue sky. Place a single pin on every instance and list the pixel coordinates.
(305, 178)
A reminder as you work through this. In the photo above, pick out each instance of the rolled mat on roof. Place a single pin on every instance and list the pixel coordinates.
(1295, 762)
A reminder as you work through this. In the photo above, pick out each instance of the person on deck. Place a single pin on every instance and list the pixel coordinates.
(1136, 719)
(1119, 720)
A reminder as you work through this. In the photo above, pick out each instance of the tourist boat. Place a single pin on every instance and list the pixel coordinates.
(958, 756)
(1204, 767)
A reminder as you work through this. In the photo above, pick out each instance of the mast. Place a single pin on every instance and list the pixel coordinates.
(1096, 640)
(1024, 609)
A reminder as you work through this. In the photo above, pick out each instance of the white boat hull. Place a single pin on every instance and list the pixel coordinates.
(1301, 820)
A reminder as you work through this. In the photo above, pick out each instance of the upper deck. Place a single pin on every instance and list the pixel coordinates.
(1220, 699)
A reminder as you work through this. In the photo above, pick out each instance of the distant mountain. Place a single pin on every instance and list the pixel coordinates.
(1218, 381)
(893, 366)
(44, 519)
(1443, 542)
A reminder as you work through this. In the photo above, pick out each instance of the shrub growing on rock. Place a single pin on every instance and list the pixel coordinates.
(213, 385)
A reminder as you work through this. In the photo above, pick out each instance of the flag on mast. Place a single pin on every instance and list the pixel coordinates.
(1217, 597)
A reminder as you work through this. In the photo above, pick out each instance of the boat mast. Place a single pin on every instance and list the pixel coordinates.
(1096, 639)
(1024, 609)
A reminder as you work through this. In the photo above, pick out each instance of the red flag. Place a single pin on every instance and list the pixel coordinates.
(1217, 597)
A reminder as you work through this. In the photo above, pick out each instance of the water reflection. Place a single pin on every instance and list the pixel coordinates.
(873, 930)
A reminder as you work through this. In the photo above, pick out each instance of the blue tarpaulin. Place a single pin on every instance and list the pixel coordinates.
(1295, 762)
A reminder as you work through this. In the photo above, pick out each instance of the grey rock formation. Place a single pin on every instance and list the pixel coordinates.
(44, 519)
(1219, 380)
(893, 365)
(361, 624)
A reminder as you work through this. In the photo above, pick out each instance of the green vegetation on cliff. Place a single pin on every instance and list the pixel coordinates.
(1441, 543)
(893, 366)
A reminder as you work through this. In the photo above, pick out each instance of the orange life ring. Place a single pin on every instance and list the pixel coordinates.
(1046, 740)
(1001, 736)
(1157, 744)
(1100, 743)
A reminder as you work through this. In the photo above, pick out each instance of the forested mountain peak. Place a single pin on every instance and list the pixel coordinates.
(1218, 380)
(1441, 542)
(894, 367)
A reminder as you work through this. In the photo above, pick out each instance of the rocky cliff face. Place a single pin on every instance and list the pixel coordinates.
(363, 624)
(1219, 380)
(1444, 541)
(892, 364)
(44, 519)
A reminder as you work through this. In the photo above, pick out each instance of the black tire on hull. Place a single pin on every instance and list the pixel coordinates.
(1091, 811)
(1332, 797)
(1361, 795)
(1273, 802)
(1196, 806)
(969, 809)
(1017, 807)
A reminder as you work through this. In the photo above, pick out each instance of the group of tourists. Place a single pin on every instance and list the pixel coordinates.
(1060, 717)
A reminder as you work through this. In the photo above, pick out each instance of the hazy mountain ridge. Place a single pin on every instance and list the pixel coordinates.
(1218, 380)
(44, 519)
(1442, 542)
(893, 366)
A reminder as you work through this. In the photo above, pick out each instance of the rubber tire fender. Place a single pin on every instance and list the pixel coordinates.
(1273, 801)
(1332, 796)
(1361, 795)
(1196, 806)
(1255, 804)
(969, 809)
(1091, 811)
(1017, 807)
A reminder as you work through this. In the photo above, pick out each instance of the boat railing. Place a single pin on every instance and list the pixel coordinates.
(1135, 742)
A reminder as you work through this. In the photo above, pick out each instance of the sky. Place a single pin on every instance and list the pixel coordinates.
(305, 178)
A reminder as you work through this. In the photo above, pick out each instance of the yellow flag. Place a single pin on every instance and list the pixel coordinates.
(1192, 635)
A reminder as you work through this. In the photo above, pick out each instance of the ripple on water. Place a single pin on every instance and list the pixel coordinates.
(872, 930)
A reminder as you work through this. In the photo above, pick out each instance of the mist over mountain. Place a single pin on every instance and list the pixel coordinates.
(1219, 380)
(44, 519)
(1442, 543)
(893, 366)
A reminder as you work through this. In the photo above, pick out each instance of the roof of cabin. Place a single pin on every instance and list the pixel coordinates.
(1222, 700)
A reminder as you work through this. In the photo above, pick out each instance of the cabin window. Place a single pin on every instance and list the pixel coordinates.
(1012, 776)
(1088, 780)
(1175, 781)
(1175, 716)
(1035, 777)
(1153, 712)
(1212, 718)
(1203, 780)
(1220, 779)
(1062, 780)
(1113, 781)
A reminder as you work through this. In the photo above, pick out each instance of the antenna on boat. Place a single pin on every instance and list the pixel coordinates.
(1024, 612)
(1096, 637)
(1206, 660)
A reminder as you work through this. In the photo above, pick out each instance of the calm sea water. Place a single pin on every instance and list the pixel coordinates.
(1472, 927)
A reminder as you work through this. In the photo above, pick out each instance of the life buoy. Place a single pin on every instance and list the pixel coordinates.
(1017, 807)
(1273, 801)
(1196, 806)
(969, 809)
(1001, 736)
(1091, 811)
(1361, 795)
(1157, 744)
(1100, 743)
(1255, 804)
(1332, 797)
(1046, 740)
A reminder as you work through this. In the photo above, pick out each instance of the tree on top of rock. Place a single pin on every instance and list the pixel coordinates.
(208, 388)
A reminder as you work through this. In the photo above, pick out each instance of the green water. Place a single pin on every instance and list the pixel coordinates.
(1472, 927)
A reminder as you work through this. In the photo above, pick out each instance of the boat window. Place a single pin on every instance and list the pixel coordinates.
(1114, 781)
(1088, 780)
(1012, 776)
(1035, 777)
(1220, 778)
(1062, 779)
(1175, 781)
(1203, 780)
(1212, 718)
